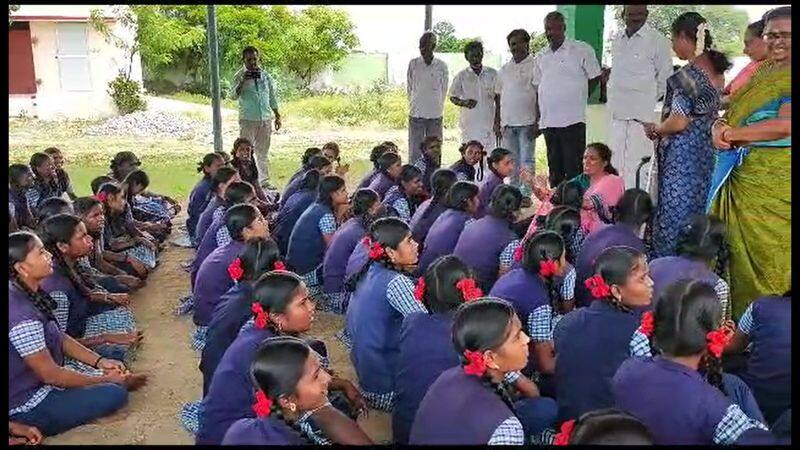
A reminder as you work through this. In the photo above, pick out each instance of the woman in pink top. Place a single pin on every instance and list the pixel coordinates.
(602, 188)
(756, 49)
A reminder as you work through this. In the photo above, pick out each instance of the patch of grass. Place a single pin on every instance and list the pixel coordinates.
(374, 108)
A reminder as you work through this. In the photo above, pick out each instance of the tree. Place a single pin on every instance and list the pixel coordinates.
(446, 40)
(726, 23)
(321, 37)
(302, 43)
(538, 42)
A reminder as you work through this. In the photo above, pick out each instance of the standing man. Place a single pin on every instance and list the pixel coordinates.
(473, 91)
(561, 72)
(517, 116)
(426, 86)
(641, 62)
(257, 107)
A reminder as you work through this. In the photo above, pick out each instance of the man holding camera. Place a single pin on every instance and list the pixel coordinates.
(257, 106)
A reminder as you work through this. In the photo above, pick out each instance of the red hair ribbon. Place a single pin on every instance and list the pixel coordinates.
(235, 270)
(261, 317)
(279, 265)
(375, 249)
(469, 289)
(476, 365)
(562, 438)
(548, 268)
(263, 404)
(101, 197)
(419, 290)
(717, 340)
(648, 324)
(598, 287)
(518, 253)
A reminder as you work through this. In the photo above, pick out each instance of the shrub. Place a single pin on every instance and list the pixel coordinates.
(127, 95)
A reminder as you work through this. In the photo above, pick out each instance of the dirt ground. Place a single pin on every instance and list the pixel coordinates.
(152, 414)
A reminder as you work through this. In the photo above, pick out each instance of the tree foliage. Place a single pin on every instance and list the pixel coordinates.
(446, 40)
(538, 42)
(304, 43)
(726, 23)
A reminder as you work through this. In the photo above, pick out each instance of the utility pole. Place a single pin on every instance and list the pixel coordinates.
(428, 17)
(213, 63)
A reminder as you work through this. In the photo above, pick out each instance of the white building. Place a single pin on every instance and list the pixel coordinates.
(60, 65)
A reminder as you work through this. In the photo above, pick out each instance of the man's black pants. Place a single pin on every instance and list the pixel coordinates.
(565, 148)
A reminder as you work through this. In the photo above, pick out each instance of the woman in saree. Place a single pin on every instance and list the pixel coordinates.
(752, 195)
(684, 159)
(756, 49)
(600, 184)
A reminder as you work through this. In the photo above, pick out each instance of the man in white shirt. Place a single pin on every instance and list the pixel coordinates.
(473, 91)
(426, 87)
(516, 120)
(641, 62)
(565, 72)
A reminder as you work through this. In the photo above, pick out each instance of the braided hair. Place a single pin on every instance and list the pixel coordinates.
(274, 291)
(238, 217)
(441, 295)
(483, 325)
(60, 229)
(389, 232)
(566, 222)
(207, 161)
(614, 265)
(277, 367)
(504, 202)
(19, 245)
(686, 311)
(441, 182)
(495, 157)
(259, 257)
(408, 174)
(238, 192)
(460, 193)
(223, 175)
(704, 238)
(362, 201)
(248, 169)
(543, 246)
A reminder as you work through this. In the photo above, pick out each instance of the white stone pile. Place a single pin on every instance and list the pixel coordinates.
(149, 124)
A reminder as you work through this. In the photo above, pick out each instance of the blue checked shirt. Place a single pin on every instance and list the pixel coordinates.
(541, 323)
(61, 313)
(32, 196)
(421, 164)
(509, 432)
(640, 345)
(733, 424)
(568, 285)
(461, 176)
(400, 294)
(27, 337)
(746, 321)
(327, 224)
(401, 206)
(223, 237)
(507, 255)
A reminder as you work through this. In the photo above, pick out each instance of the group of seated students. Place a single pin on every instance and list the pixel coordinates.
(73, 262)
(467, 322)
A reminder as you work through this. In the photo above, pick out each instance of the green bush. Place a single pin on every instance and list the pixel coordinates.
(127, 95)
(377, 106)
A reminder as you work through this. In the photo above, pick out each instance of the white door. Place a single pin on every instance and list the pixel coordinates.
(73, 56)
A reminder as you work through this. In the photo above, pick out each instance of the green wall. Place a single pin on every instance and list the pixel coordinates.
(585, 23)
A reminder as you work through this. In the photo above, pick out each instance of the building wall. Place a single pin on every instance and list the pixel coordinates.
(51, 102)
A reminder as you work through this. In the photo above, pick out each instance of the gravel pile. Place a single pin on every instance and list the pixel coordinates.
(149, 124)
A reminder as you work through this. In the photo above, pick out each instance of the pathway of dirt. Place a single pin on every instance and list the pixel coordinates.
(151, 416)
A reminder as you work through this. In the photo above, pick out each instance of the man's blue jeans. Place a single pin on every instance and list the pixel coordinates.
(520, 141)
(62, 410)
